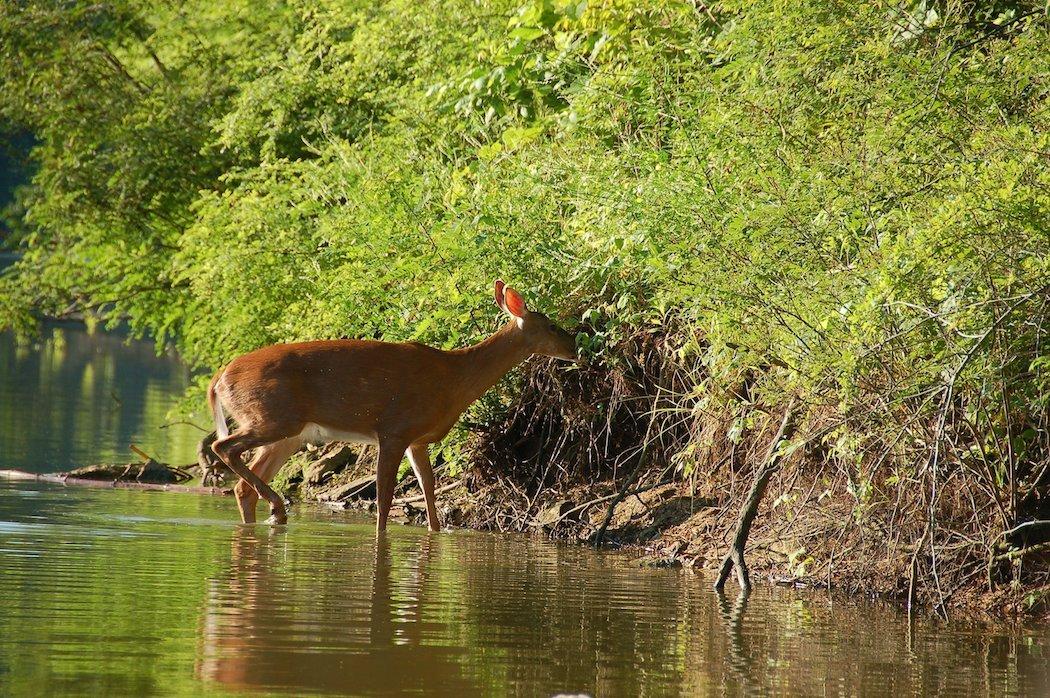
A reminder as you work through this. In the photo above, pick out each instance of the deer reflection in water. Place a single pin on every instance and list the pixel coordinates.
(266, 626)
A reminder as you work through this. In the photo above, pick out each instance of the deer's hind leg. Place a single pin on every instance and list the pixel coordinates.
(265, 464)
(232, 448)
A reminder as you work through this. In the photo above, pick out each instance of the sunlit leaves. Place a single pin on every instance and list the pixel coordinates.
(856, 193)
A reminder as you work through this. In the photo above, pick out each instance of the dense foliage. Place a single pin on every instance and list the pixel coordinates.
(845, 200)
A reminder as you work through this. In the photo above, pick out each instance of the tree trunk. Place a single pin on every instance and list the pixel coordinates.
(754, 498)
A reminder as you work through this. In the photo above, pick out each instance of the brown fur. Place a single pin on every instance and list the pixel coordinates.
(403, 396)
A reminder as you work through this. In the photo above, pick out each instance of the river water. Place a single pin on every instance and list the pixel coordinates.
(116, 592)
(70, 398)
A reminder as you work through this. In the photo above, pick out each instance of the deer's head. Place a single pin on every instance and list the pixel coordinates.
(541, 334)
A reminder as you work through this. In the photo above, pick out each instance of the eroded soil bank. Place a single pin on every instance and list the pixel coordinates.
(806, 533)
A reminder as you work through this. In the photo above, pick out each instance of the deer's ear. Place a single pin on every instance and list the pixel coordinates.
(515, 303)
(499, 295)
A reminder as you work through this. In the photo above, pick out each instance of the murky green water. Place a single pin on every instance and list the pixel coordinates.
(72, 399)
(111, 592)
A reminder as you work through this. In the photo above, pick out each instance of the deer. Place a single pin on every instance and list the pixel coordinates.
(400, 397)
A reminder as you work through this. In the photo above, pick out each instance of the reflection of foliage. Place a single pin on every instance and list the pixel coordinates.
(74, 399)
(144, 578)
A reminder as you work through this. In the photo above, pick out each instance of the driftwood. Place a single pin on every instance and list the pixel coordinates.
(420, 498)
(735, 556)
(363, 487)
(65, 479)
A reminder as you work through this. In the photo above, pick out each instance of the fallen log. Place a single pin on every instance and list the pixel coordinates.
(363, 487)
(420, 498)
(65, 479)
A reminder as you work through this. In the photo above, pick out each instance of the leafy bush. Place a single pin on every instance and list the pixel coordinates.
(846, 200)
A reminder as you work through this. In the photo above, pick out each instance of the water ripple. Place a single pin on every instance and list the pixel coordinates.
(147, 593)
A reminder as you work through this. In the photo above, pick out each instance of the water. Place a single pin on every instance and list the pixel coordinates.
(134, 593)
(115, 592)
(72, 399)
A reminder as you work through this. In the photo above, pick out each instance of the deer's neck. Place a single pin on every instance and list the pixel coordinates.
(483, 364)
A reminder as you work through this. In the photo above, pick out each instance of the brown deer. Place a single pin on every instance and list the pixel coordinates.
(398, 396)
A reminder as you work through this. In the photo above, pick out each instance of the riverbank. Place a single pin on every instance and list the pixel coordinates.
(809, 532)
(805, 536)
(815, 528)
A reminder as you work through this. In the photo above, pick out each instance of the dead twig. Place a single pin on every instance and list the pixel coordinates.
(419, 497)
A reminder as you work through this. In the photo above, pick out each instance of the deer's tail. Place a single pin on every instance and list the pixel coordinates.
(215, 404)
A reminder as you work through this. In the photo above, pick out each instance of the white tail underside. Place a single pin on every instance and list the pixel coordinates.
(220, 417)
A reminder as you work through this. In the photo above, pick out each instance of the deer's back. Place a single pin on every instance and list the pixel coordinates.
(357, 386)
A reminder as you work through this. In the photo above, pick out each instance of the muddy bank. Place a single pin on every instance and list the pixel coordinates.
(807, 533)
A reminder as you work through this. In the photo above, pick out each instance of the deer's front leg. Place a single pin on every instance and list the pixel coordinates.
(390, 455)
(420, 460)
